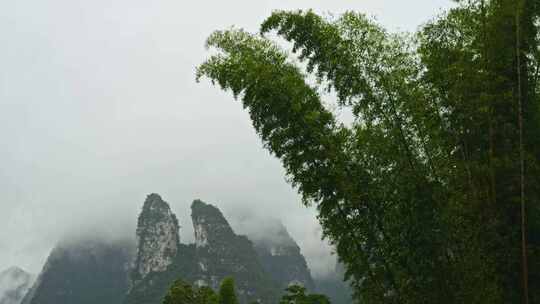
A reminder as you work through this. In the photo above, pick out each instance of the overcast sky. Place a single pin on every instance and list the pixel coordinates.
(99, 107)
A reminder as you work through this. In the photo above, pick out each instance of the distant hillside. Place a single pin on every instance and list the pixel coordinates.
(281, 257)
(332, 285)
(96, 271)
(83, 272)
(14, 283)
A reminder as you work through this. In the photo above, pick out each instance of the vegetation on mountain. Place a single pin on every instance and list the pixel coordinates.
(222, 253)
(281, 257)
(155, 285)
(430, 195)
(296, 294)
(182, 292)
(84, 271)
(206, 295)
(227, 292)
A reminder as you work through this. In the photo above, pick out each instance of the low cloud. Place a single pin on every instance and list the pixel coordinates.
(14, 283)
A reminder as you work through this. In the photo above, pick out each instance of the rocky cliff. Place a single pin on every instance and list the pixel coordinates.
(14, 283)
(281, 256)
(223, 253)
(218, 252)
(160, 257)
(84, 271)
(157, 238)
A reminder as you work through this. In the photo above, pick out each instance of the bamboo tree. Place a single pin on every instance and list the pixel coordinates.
(524, 248)
(419, 195)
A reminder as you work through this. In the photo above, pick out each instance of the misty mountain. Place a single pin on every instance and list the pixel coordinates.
(334, 286)
(91, 270)
(223, 253)
(83, 271)
(157, 238)
(282, 259)
(281, 256)
(217, 253)
(14, 283)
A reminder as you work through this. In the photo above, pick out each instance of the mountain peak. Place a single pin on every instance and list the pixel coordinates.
(272, 233)
(209, 224)
(154, 202)
(280, 255)
(157, 237)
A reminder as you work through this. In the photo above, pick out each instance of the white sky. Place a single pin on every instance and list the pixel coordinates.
(99, 107)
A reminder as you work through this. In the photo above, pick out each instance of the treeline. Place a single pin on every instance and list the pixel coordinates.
(184, 293)
(432, 195)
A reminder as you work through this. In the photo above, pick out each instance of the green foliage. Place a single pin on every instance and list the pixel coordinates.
(183, 293)
(180, 293)
(206, 295)
(297, 295)
(227, 292)
(420, 195)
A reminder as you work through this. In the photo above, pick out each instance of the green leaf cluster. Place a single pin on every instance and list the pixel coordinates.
(183, 293)
(296, 294)
(227, 292)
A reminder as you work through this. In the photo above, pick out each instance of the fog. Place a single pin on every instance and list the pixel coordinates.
(14, 282)
(99, 107)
